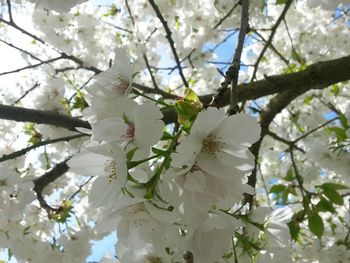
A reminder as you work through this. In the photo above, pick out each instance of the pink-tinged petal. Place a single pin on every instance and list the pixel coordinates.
(208, 120)
(239, 129)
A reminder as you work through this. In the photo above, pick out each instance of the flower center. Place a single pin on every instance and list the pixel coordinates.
(195, 168)
(121, 86)
(153, 259)
(212, 145)
(111, 170)
(130, 131)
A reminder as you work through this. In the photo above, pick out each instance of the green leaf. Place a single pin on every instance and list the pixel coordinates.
(333, 196)
(166, 136)
(285, 196)
(335, 89)
(280, 2)
(112, 11)
(308, 99)
(159, 151)
(246, 219)
(177, 23)
(277, 188)
(130, 154)
(339, 132)
(324, 206)
(246, 243)
(190, 95)
(343, 120)
(167, 162)
(290, 175)
(334, 186)
(316, 225)
(294, 229)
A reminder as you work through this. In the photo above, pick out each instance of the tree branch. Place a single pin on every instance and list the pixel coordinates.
(170, 40)
(273, 31)
(316, 76)
(41, 182)
(233, 71)
(39, 144)
(42, 117)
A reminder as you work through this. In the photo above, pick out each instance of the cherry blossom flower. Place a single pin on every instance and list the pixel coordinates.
(108, 164)
(115, 81)
(217, 141)
(142, 126)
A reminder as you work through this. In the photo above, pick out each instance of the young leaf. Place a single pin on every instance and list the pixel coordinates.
(333, 196)
(294, 229)
(324, 206)
(316, 225)
(277, 188)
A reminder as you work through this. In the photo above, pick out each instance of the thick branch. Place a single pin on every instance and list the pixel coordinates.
(41, 182)
(316, 76)
(233, 71)
(41, 117)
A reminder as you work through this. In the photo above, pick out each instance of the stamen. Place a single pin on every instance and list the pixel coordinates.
(111, 170)
(212, 145)
(121, 86)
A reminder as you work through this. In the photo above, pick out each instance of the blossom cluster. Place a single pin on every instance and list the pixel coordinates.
(164, 190)
(175, 189)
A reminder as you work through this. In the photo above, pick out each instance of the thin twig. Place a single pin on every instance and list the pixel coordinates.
(22, 50)
(269, 41)
(81, 187)
(31, 66)
(226, 16)
(39, 144)
(156, 87)
(170, 40)
(314, 129)
(9, 10)
(26, 93)
(291, 144)
(265, 186)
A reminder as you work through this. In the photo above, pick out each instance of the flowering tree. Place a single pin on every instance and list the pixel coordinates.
(125, 116)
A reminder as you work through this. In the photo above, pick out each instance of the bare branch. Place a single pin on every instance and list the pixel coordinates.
(41, 182)
(226, 16)
(316, 76)
(233, 71)
(31, 66)
(22, 50)
(156, 87)
(26, 93)
(25, 150)
(41, 117)
(170, 40)
(273, 31)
